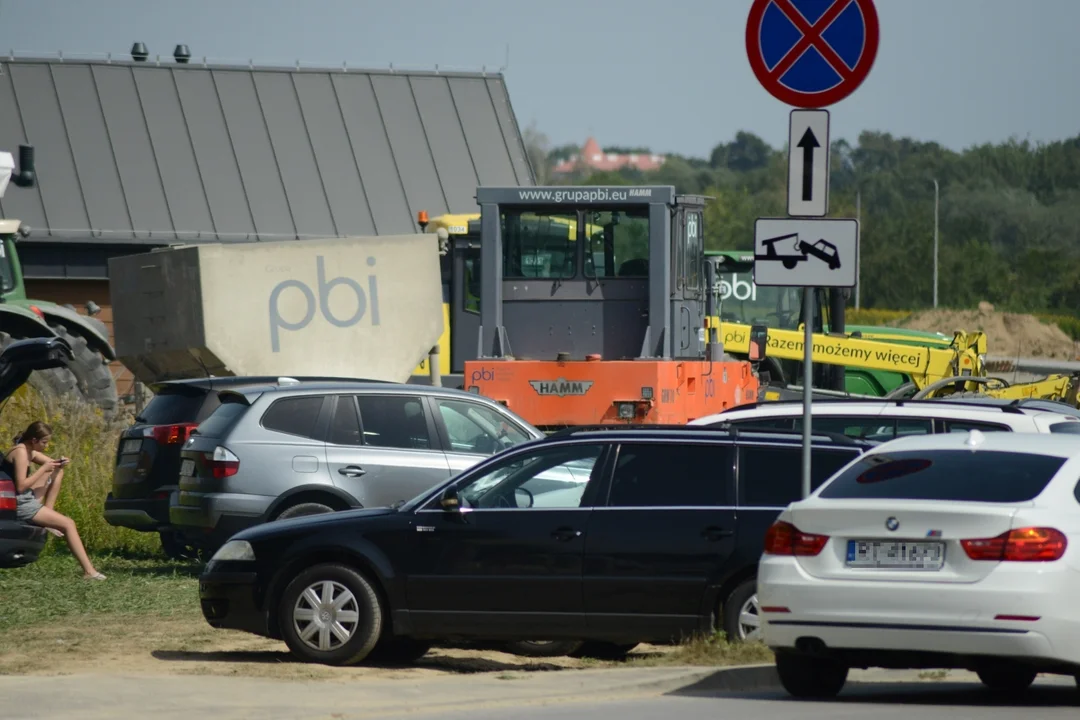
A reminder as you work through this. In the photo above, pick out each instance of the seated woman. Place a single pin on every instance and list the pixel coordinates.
(36, 492)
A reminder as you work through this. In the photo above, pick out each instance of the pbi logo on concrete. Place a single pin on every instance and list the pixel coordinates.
(561, 387)
(365, 301)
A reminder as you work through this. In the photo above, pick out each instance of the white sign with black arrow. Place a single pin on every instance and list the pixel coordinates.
(808, 163)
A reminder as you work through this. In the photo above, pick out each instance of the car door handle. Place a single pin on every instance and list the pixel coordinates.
(566, 534)
(712, 533)
(352, 471)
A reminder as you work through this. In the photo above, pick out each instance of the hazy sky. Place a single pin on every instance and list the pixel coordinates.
(671, 75)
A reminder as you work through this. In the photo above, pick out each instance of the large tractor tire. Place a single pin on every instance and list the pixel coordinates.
(93, 379)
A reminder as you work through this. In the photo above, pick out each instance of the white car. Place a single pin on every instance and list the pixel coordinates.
(884, 420)
(954, 551)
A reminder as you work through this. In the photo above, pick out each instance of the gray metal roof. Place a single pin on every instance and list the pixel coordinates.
(139, 153)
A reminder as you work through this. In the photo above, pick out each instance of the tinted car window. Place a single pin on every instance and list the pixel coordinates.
(345, 425)
(173, 406)
(957, 475)
(879, 429)
(394, 421)
(549, 477)
(1069, 428)
(762, 423)
(772, 476)
(294, 416)
(955, 426)
(474, 428)
(222, 419)
(670, 475)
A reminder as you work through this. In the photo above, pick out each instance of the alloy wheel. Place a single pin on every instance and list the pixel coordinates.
(750, 620)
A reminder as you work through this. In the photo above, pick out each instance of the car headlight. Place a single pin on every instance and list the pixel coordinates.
(234, 550)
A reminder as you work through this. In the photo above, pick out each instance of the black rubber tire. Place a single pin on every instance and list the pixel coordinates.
(604, 650)
(368, 628)
(543, 648)
(1007, 680)
(54, 383)
(732, 605)
(807, 676)
(399, 651)
(175, 547)
(93, 379)
(302, 509)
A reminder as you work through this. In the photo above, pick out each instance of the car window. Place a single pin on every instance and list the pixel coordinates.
(173, 406)
(763, 423)
(672, 475)
(771, 476)
(345, 425)
(957, 426)
(394, 421)
(547, 478)
(1069, 428)
(474, 428)
(222, 419)
(955, 475)
(294, 415)
(879, 429)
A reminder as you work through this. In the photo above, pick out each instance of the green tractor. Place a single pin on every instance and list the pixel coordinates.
(87, 378)
(741, 302)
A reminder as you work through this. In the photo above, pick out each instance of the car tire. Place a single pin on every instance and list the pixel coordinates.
(354, 606)
(1007, 680)
(808, 676)
(543, 648)
(399, 651)
(740, 617)
(604, 650)
(301, 509)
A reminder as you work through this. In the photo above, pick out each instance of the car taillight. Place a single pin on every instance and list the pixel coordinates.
(222, 463)
(170, 434)
(7, 495)
(783, 538)
(1033, 544)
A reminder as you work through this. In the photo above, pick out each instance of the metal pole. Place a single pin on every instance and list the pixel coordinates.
(858, 258)
(808, 383)
(935, 240)
(434, 371)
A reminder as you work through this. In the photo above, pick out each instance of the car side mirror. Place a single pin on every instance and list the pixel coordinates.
(449, 501)
(759, 340)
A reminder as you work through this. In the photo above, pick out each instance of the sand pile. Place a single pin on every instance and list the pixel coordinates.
(1009, 334)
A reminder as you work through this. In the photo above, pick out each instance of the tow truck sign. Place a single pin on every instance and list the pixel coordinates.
(805, 252)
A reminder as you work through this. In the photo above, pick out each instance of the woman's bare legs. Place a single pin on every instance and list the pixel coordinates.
(49, 518)
(53, 490)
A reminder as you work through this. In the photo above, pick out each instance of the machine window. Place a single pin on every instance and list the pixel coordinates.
(695, 250)
(394, 421)
(648, 475)
(771, 477)
(470, 289)
(345, 426)
(743, 302)
(539, 245)
(294, 416)
(618, 243)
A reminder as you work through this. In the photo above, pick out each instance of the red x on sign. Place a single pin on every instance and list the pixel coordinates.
(810, 53)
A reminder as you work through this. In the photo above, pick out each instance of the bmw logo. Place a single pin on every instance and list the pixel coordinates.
(892, 524)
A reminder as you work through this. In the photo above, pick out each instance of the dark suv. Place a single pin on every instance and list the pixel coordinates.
(612, 537)
(148, 454)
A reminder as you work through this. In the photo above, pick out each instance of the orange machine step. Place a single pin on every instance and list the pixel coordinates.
(599, 392)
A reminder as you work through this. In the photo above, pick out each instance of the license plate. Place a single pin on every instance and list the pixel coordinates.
(131, 446)
(187, 468)
(896, 555)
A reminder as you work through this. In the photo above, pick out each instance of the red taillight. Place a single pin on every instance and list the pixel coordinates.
(7, 495)
(1022, 545)
(170, 434)
(222, 463)
(783, 538)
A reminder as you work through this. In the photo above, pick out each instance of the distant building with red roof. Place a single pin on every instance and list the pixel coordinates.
(593, 159)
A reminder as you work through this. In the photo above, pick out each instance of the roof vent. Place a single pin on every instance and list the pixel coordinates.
(139, 53)
(975, 438)
(182, 54)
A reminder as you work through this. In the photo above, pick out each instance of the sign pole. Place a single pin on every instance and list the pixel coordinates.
(808, 382)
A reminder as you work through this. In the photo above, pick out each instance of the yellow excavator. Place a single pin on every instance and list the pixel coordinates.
(932, 370)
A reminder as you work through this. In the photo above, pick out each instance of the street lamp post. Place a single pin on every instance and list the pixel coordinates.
(935, 241)
(858, 258)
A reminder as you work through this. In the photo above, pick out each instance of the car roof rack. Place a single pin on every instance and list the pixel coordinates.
(718, 427)
(1011, 408)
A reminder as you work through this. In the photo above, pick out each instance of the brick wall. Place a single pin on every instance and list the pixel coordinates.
(77, 292)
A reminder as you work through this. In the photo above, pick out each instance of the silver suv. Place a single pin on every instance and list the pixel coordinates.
(299, 448)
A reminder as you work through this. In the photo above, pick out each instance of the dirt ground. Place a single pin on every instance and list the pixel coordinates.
(1008, 334)
(144, 645)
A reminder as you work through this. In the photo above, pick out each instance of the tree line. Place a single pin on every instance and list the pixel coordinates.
(1009, 213)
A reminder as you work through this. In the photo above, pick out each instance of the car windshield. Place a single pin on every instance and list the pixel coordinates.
(743, 302)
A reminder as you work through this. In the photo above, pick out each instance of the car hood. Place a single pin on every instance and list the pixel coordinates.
(23, 357)
(310, 522)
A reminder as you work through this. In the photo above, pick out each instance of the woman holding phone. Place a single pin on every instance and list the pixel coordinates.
(36, 491)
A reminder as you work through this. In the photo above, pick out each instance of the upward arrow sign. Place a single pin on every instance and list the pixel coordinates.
(808, 144)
